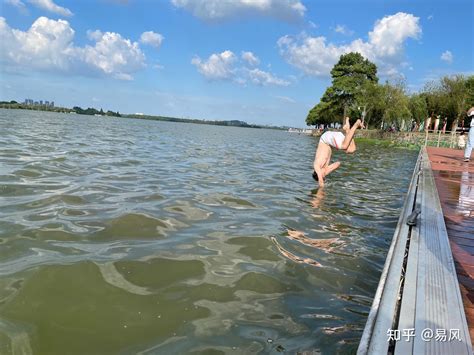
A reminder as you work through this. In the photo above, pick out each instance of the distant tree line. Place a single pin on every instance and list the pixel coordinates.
(89, 111)
(92, 111)
(356, 91)
(21, 106)
(233, 123)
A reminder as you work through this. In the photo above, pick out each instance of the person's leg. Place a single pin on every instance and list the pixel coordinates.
(350, 135)
(347, 126)
(469, 145)
(352, 148)
(331, 167)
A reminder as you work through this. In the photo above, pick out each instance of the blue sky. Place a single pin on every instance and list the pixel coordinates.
(261, 61)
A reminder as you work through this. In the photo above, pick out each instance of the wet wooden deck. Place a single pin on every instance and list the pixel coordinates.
(455, 183)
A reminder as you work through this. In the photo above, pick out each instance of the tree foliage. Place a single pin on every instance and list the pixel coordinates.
(418, 107)
(349, 77)
(395, 104)
(93, 111)
(355, 90)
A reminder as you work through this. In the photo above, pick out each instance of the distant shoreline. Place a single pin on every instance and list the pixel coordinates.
(111, 114)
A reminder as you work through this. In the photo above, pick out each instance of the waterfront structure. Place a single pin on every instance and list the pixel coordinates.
(423, 304)
(308, 131)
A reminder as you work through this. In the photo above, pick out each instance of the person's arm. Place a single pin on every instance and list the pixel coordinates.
(319, 172)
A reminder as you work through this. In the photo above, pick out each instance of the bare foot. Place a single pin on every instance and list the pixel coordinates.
(360, 124)
(347, 124)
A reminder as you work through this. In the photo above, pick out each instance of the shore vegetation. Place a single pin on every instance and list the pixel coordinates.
(356, 91)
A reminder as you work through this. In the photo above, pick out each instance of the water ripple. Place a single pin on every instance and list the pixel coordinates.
(132, 236)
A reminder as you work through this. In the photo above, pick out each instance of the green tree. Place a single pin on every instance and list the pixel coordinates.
(470, 90)
(418, 107)
(349, 77)
(371, 101)
(450, 96)
(455, 90)
(395, 101)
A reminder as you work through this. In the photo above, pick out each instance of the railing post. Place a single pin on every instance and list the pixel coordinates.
(439, 137)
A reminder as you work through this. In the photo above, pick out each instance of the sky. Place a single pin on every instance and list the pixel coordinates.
(259, 61)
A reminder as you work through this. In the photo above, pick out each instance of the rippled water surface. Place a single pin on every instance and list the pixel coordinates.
(122, 236)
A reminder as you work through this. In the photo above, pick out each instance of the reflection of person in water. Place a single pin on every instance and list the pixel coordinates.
(318, 198)
(466, 196)
(324, 244)
(294, 257)
(335, 140)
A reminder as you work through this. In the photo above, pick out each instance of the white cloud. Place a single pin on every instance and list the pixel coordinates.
(48, 45)
(288, 10)
(113, 55)
(94, 35)
(343, 30)
(50, 6)
(250, 58)
(240, 81)
(286, 99)
(16, 3)
(447, 56)
(264, 78)
(152, 38)
(385, 46)
(217, 66)
(226, 66)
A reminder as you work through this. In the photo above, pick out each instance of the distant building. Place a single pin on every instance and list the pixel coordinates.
(45, 103)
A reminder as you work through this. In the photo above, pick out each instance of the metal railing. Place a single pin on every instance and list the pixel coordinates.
(448, 139)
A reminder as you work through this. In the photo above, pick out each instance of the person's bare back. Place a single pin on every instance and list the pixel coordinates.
(338, 141)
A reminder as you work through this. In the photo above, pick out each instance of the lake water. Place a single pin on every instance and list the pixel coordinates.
(122, 236)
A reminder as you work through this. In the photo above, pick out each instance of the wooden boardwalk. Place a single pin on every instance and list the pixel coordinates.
(426, 287)
(455, 183)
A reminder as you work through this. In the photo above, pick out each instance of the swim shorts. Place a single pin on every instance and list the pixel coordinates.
(334, 139)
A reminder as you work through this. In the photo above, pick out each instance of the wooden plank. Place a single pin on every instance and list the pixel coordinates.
(438, 300)
(455, 183)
